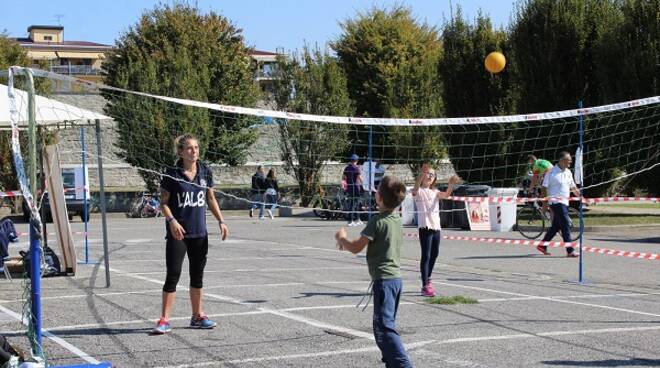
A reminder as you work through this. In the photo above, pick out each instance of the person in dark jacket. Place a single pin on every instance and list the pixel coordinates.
(257, 191)
(272, 191)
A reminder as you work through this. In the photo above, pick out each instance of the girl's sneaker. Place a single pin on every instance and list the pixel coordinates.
(202, 321)
(426, 291)
(429, 286)
(162, 327)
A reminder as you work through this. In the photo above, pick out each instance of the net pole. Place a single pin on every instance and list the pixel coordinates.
(580, 208)
(84, 179)
(370, 155)
(35, 246)
(104, 224)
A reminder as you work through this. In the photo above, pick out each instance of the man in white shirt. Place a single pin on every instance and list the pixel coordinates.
(558, 184)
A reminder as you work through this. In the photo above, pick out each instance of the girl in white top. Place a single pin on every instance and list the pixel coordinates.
(427, 199)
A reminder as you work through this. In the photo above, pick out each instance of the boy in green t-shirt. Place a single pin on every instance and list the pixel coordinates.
(384, 237)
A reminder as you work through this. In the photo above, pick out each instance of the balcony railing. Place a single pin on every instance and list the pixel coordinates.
(75, 69)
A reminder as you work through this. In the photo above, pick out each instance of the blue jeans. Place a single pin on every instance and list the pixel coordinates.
(560, 222)
(257, 198)
(386, 302)
(430, 242)
(271, 199)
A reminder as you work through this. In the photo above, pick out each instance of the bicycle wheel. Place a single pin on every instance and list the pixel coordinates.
(316, 203)
(574, 217)
(530, 222)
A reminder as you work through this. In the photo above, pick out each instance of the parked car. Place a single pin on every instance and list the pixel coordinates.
(75, 206)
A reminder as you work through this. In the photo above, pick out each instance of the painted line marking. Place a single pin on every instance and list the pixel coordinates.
(58, 340)
(256, 270)
(550, 299)
(413, 347)
(285, 314)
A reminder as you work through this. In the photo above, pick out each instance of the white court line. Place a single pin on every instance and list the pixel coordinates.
(234, 314)
(309, 321)
(256, 270)
(131, 322)
(416, 345)
(222, 259)
(549, 299)
(585, 296)
(150, 291)
(86, 357)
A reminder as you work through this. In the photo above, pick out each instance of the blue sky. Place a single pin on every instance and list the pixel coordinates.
(267, 25)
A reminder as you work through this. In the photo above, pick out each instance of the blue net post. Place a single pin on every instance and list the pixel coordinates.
(35, 279)
(580, 208)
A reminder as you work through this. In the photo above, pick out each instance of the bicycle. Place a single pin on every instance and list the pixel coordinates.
(531, 220)
(147, 205)
(327, 208)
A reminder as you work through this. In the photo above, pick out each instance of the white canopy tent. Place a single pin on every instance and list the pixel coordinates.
(47, 111)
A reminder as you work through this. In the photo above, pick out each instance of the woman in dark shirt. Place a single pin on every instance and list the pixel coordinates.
(186, 191)
(271, 191)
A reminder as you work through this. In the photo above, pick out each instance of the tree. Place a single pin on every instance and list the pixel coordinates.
(469, 90)
(389, 59)
(312, 83)
(629, 68)
(11, 53)
(554, 43)
(558, 49)
(178, 51)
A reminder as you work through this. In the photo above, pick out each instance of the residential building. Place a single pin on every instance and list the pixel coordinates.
(83, 59)
(46, 44)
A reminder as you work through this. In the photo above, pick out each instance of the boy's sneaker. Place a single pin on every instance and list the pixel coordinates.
(270, 214)
(543, 249)
(426, 291)
(572, 255)
(262, 218)
(202, 322)
(162, 327)
(358, 223)
(352, 223)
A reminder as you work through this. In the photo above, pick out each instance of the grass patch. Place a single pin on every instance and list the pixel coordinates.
(606, 219)
(450, 300)
(629, 205)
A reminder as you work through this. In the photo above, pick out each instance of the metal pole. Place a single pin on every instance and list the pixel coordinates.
(369, 168)
(84, 177)
(581, 135)
(99, 161)
(42, 182)
(35, 246)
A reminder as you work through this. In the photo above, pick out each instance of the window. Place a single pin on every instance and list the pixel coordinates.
(48, 38)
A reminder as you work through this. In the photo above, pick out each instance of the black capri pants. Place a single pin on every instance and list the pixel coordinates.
(175, 251)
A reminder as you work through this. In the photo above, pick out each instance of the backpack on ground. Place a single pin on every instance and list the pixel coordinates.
(51, 260)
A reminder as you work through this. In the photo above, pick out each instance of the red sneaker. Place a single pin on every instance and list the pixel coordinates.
(543, 249)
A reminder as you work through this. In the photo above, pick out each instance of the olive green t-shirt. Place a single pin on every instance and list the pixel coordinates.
(385, 234)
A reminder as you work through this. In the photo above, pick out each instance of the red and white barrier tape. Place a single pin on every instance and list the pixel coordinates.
(525, 200)
(51, 233)
(551, 244)
(10, 194)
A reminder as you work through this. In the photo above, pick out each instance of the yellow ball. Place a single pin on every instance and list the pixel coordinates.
(495, 62)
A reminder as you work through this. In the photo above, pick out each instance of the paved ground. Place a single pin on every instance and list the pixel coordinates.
(284, 297)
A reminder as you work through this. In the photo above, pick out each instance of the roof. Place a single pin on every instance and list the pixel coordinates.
(57, 28)
(264, 53)
(29, 43)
